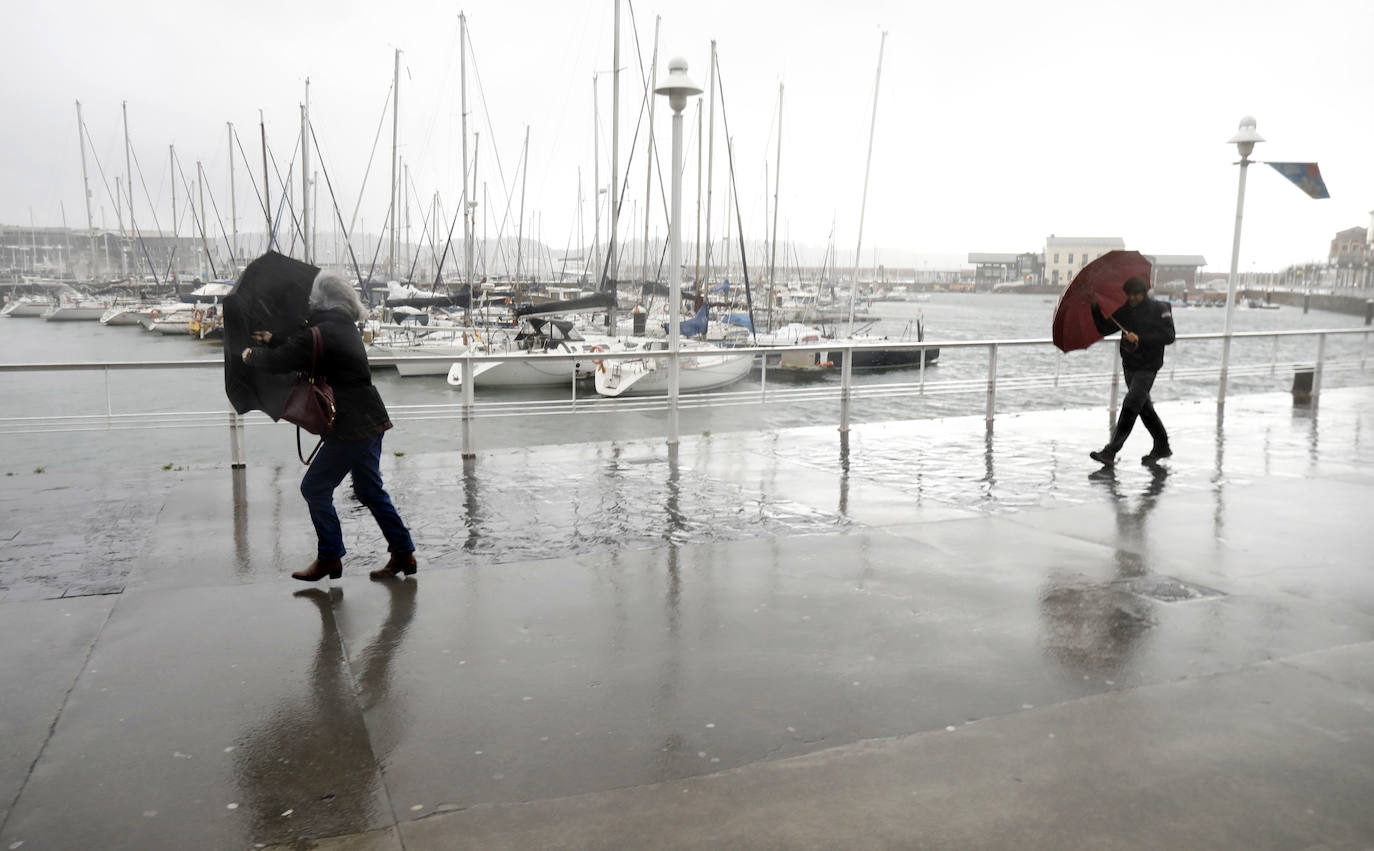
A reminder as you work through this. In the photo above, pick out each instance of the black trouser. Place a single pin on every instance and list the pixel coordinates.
(1137, 405)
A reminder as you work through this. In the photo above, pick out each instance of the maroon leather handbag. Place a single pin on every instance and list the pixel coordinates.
(310, 404)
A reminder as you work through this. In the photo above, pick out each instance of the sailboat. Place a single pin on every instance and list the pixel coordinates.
(701, 366)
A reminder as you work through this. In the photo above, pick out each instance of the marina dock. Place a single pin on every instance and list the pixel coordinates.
(935, 634)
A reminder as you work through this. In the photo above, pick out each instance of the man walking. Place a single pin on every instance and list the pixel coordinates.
(1146, 327)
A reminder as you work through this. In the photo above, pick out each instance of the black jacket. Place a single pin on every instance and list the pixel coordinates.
(343, 365)
(1152, 321)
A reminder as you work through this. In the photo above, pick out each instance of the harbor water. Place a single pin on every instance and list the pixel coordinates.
(59, 420)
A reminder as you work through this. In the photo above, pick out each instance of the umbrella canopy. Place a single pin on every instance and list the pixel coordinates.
(1073, 319)
(272, 294)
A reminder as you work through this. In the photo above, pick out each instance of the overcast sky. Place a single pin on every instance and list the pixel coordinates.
(998, 123)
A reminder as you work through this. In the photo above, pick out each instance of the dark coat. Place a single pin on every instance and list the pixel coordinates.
(1152, 321)
(343, 365)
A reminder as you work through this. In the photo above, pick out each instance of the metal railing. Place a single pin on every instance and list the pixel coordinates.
(1095, 369)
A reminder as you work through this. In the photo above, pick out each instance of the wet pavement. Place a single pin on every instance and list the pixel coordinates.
(934, 634)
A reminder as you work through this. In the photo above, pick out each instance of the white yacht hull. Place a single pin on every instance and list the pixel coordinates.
(698, 372)
(524, 369)
(75, 313)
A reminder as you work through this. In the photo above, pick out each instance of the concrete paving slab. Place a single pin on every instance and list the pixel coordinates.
(211, 718)
(46, 646)
(1268, 758)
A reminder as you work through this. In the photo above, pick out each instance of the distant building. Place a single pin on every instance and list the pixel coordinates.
(1175, 269)
(1066, 255)
(1350, 258)
(989, 269)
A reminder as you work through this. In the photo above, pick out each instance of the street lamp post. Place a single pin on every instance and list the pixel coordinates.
(1244, 140)
(678, 88)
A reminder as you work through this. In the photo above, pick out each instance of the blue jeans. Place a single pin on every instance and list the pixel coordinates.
(335, 460)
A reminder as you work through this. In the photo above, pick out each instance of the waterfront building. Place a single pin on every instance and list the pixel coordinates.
(1065, 256)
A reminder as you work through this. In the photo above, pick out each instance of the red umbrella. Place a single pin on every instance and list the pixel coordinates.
(1104, 277)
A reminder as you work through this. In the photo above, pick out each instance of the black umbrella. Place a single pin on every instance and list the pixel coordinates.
(272, 294)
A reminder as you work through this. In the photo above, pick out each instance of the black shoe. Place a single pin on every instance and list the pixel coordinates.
(1104, 457)
(1156, 454)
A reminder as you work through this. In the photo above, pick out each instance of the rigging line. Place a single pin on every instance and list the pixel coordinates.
(218, 219)
(334, 202)
(654, 147)
(435, 111)
(151, 206)
(196, 220)
(284, 184)
(249, 170)
(100, 168)
(424, 229)
(370, 158)
(233, 261)
(448, 242)
(298, 230)
(739, 219)
(629, 161)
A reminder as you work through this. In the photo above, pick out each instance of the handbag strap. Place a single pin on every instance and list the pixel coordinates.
(300, 453)
(316, 349)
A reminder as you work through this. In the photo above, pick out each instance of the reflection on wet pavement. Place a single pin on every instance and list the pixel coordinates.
(605, 616)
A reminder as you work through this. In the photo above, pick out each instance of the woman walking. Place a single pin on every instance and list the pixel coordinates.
(354, 445)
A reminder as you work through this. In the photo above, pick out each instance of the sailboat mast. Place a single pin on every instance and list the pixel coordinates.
(305, 176)
(395, 128)
(205, 243)
(649, 161)
(128, 177)
(710, 157)
(777, 179)
(873, 123)
(172, 165)
(596, 184)
(615, 161)
(696, 269)
(267, 236)
(86, 184)
(233, 205)
(465, 211)
(520, 225)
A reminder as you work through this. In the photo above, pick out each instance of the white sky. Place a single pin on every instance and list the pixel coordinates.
(998, 123)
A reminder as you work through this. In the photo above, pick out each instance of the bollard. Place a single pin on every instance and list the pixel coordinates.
(1368, 311)
(1302, 385)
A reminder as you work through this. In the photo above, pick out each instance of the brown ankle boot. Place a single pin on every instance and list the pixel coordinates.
(319, 569)
(398, 564)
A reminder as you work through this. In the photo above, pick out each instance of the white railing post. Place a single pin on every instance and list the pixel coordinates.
(1225, 360)
(846, 372)
(923, 371)
(1317, 373)
(992, 382)
(763, 378)
(468, 451)
(236, 454)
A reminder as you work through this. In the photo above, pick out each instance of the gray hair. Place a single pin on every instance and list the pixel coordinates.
(331, 291)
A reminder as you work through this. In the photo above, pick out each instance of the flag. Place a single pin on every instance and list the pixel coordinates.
(1305, 176)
